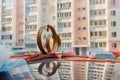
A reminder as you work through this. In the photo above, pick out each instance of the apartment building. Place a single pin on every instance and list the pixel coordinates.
(104, 34)
(66, 70)
(81, 30)
(49, 12)
(80, 70)
(12, 23)
(98, 26)
(65, 22)
(81, 39)
(38, 13)
(103, 71)
(32, 23)
(113, 23)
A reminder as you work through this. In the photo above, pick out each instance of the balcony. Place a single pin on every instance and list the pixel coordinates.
(98, 6)
(6, 14)
(31, 40)
(64, 30)
(7, 32)
(4, 22)
(98, 28)
(98, 17)
(31, 23)
(32, 2)
(98, 39)
(65, 38)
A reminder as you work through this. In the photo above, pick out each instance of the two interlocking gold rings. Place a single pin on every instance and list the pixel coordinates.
(46, 48)
(46, 66)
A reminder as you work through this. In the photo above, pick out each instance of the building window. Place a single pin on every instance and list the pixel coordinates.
(78, 28)
(81, 18)
(64, 25)
(113, 2)
(64, 5)
(100, 33)
(65, 34)
(84, 38)
(44, 1)
(84, 28)
(44, 10)
(20, 40)
(114, 34)
(96, 45)
(7, 20)
(114, 45)
(64, 15)
(32, 46)
(97, 12)
(81, 9)
(100, 44)
(6, 37)
(93, 2)
(91, 34)
(31, 18)
(31, 27)
(113, 23)
(9, 28)
(95, 33)
(108, 79)
(98, 22)
(66, 44)
(113, 13)
(79, 38)
(31, 9)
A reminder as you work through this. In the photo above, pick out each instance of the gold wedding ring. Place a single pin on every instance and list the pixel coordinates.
(47, 65)
(56, 40)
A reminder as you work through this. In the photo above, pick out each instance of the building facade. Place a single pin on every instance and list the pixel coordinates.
(113, 24)
(96, 26)
(32, 23)
(12, 23)
(81, 26)
(65, 22)
(104, 35)
(38, 13)
(103, 71)
(80, 70)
